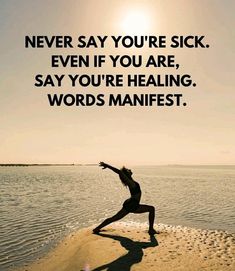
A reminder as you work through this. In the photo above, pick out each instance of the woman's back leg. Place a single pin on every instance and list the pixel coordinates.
(119, 215)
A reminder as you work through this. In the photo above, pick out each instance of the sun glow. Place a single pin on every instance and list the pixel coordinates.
(136, 22)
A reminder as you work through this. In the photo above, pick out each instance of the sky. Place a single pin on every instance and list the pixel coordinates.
(203, 132)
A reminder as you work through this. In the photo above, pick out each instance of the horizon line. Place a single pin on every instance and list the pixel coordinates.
(96, 164)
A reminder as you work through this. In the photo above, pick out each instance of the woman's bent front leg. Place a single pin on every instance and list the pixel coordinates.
(147, 209)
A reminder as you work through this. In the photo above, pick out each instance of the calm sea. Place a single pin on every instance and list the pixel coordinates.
(40, 205)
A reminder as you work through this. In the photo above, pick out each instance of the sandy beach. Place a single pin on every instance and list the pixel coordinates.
(127, 246)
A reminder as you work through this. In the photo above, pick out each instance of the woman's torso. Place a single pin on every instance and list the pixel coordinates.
(135, 191)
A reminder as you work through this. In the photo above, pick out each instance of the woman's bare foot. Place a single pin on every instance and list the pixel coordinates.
(153, 231)
(96, 230)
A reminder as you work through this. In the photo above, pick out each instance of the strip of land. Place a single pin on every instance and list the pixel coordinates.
(127, 246)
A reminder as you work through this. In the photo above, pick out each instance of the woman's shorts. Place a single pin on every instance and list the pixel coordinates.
(131, 205)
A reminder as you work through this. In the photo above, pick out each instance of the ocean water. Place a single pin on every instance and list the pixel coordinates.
(40, 205)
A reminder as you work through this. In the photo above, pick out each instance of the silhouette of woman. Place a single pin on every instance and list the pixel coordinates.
(131, 205)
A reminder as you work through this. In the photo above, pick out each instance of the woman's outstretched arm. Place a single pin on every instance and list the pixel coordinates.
(104, 166)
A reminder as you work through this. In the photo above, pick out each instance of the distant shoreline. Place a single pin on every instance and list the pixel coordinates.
(32, 165)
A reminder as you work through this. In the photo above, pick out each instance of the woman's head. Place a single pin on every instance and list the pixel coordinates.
(126, 171)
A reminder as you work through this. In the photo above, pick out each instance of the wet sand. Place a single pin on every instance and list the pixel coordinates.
(127, 246)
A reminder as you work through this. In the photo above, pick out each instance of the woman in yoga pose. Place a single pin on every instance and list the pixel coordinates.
(131, 205)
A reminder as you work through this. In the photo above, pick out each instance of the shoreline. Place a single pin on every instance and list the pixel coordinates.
(126, 245)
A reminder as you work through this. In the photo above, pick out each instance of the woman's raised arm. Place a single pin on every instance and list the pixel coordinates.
(104, 166)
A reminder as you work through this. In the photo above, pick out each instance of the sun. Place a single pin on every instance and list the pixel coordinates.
(136, 22)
